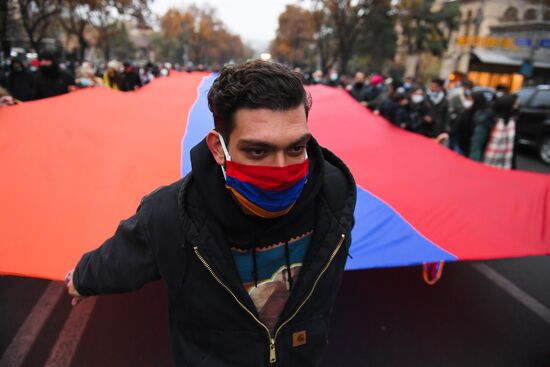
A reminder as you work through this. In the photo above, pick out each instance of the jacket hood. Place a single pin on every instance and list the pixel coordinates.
(339, 190)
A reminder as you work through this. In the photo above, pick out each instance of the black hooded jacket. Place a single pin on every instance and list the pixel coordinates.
(181, 233)
(51, 81)
(20, 83)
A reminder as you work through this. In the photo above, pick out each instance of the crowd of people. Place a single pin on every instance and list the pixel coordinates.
(45, 76)
(468, 122)
(475, 124)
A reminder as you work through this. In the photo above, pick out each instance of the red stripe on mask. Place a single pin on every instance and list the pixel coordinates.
(268, 177)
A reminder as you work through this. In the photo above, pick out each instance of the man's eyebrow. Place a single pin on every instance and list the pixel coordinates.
(255, 143)
(303, 139)
(266, 145)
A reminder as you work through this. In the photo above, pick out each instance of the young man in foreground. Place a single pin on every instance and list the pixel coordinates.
(251, 244)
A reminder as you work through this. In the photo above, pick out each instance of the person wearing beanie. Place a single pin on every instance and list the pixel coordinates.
(111, 77)
(19, 81)
(50, 80)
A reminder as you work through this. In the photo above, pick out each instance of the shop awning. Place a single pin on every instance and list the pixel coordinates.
(498, 58)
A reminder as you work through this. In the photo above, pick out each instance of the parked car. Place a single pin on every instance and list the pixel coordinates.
(533, 123)
(488, 92)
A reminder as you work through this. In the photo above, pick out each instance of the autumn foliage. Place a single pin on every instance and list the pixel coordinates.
(200, 37)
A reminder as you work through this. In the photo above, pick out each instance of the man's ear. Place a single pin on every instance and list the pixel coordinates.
(215, 146)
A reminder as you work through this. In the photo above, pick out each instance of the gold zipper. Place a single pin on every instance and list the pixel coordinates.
(332, 256)
(272, 346)
(272, 356)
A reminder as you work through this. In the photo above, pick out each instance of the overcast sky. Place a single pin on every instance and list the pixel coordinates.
(254, 20)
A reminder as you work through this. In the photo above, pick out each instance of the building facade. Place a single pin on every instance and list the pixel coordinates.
(501, 42)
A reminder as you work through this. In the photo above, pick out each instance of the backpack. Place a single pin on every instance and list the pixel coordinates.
(500, 147)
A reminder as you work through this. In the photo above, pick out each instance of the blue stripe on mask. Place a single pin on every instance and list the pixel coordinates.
(273, 201)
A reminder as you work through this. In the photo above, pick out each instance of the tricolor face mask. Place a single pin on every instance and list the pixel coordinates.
(265, 191)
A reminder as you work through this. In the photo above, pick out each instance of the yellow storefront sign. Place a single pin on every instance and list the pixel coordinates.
(487, 42)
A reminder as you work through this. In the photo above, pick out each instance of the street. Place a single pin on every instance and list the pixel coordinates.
(490, 313)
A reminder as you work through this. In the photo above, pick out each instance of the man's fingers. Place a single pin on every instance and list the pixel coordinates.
(76, 300)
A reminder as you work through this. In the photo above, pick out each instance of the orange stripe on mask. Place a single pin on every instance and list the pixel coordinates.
(256, 210)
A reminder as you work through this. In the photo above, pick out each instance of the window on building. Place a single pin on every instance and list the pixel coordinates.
(530, 14)
(541, 99)
(546, 15)
(510, 15)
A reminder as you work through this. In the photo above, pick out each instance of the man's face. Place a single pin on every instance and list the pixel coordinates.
(265, 137)
(359, 77)
(434, 87)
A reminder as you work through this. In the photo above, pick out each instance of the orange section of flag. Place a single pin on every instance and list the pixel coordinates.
(73, 166)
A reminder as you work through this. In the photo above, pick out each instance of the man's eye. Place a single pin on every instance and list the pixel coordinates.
(297, 150)
(256, 153)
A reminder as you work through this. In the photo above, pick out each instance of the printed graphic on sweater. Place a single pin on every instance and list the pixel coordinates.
(267, 283)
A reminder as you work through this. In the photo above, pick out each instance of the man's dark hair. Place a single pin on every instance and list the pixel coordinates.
(256, 84)
(439, 82)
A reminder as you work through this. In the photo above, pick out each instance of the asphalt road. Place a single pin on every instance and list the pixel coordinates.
(492, 313)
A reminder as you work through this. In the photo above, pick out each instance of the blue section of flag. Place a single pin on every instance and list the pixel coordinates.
(273, 201)
(199, 123)
(382, 238)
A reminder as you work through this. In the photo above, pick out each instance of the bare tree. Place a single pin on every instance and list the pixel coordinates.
(75, 18)
(6, 15)
(337, 24)
(37, 16)
(424, 28)
(106, 15)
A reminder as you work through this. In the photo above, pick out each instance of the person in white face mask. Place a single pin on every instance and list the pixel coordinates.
(438, 108)
(460, 103)
(419, 117)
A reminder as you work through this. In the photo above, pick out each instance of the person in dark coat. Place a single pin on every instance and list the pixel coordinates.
(483, 121)
(438, 107)
(460, 103)
(19, 81)
(130, 78)
(359, 89)
(252, 243)
(50, 80)
(420, 121)
(385, 104)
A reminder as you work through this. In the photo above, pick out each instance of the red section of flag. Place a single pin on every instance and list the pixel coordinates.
(469, 209)
(75, 165)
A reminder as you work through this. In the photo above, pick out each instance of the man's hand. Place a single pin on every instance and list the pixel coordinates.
(71, 289)
(441, 138)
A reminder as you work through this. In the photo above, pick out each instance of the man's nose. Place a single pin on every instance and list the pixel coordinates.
(280, 159)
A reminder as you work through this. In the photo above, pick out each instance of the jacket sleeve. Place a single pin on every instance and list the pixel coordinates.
(125, 262)
(477, 144)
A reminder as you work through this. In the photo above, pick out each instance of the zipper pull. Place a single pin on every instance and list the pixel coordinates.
(272, 355)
